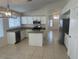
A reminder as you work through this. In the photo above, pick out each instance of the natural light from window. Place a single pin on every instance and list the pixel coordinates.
(1, 28)
(14, 22)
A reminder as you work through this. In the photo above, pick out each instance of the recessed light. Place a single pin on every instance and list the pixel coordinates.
(55, 16)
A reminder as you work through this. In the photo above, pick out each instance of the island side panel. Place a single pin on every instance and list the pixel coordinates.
(35, 39)
(11, 37)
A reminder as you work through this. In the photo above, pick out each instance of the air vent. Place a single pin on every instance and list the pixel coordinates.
(29, 0)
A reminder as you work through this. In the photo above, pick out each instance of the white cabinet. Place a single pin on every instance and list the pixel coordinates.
(35, 39)
(43, 20)
(66, 40)
(23, 34)
(29, 20)
(11, 37)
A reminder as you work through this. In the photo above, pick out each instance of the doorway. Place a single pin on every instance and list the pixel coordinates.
(50, 29)
(64, 27)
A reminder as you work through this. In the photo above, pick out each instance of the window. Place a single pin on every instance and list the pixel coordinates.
(14, 22)
(50, 23)
(1, 28)
(24, 20)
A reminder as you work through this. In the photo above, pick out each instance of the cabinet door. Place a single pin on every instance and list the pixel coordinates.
(43, 20)
(24, 20)
(30, 20)
(11, 37)
(23, 34)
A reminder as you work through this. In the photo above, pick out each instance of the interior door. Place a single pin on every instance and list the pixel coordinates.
(73, 33)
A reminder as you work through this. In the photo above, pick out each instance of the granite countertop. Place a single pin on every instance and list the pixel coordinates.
(18, 29)
(21, 28)
(36, 31)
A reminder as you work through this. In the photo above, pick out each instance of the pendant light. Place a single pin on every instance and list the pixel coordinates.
(7, 12)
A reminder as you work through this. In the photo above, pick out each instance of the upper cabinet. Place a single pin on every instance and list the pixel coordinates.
(29, 20)
(43, 20)
(24, 20)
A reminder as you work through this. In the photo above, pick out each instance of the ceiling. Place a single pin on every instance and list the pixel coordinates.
(25, 6)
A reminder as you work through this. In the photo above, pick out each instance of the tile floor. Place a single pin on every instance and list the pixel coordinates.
(22, 50)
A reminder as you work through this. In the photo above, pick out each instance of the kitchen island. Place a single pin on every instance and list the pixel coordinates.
(36, 38)
(15, 35)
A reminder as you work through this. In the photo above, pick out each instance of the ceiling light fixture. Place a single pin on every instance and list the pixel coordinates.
(55, 16)
(7, 12)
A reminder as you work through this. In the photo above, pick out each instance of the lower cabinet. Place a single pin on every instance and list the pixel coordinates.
(35, 39)
(11, 37)
(23, 34)
(14, 37)
(66, 41)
